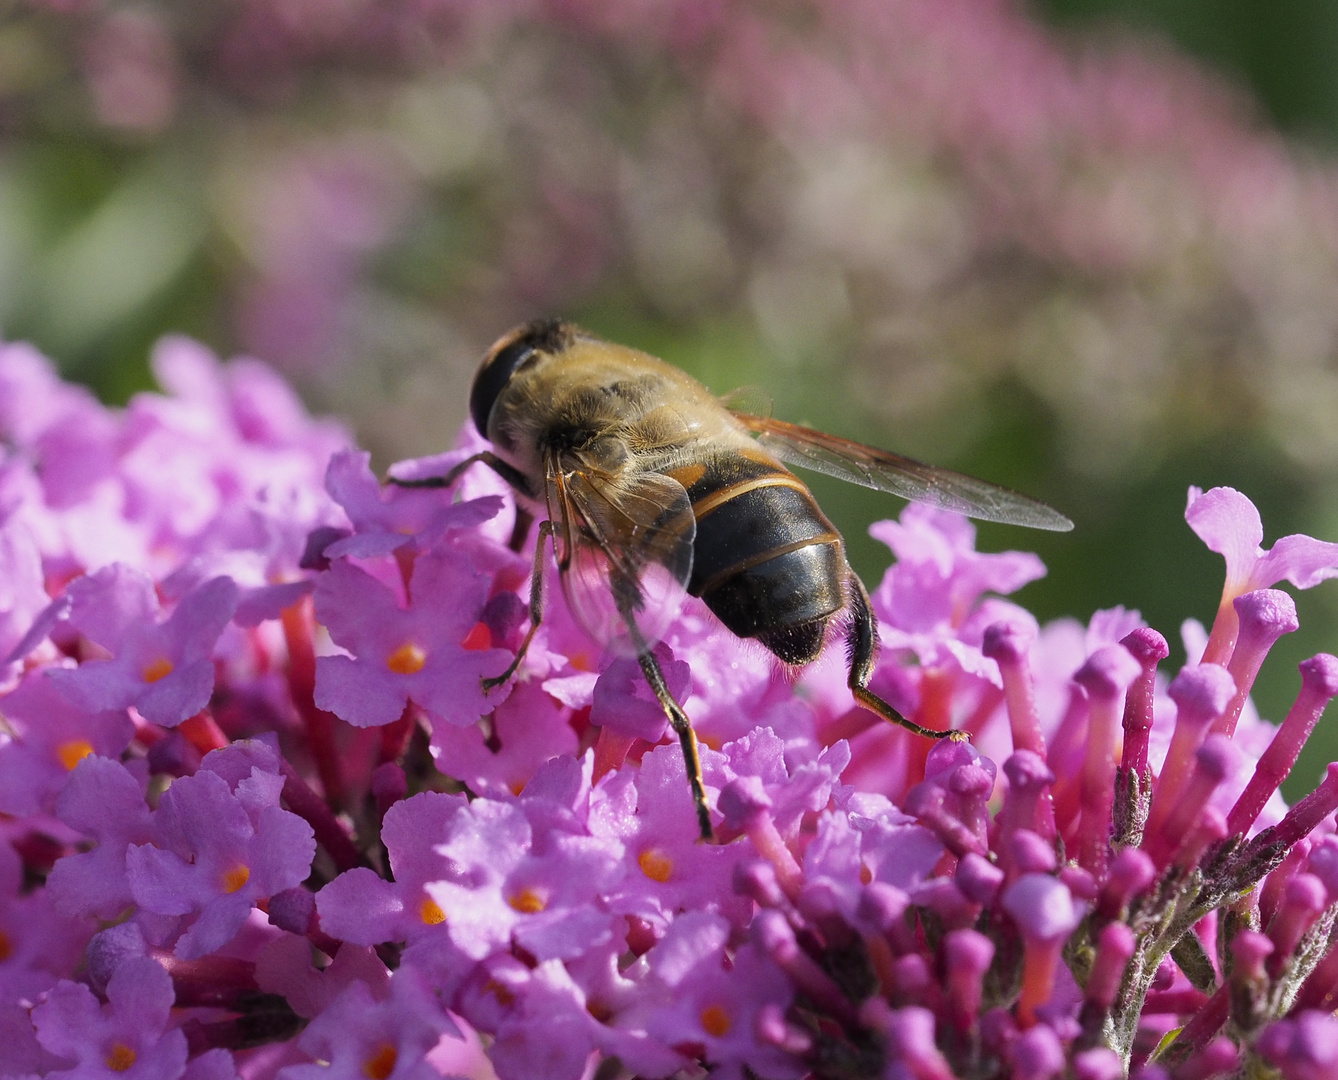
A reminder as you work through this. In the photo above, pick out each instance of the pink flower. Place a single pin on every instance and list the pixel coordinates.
(1228, 523)
(415, 651)
(165, 669)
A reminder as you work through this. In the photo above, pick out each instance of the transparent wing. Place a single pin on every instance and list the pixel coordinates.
(748, 401)
(886, 471)
(624, 547)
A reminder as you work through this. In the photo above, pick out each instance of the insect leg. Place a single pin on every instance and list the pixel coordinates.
(507, 472)
(861, 649)
(521, 529)
(627, 594)
(687, 738)
(536, 606)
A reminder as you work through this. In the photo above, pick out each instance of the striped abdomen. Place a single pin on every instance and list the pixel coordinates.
(766, 560)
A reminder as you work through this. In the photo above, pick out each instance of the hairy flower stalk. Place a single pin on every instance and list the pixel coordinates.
(265, 817)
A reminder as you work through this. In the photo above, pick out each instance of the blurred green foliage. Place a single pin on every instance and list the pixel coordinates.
(1286, 55)
(1286, 52)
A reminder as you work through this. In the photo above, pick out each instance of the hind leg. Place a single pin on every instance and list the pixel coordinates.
(862, 650)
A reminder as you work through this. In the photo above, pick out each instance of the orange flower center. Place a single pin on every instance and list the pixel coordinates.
(70, 753)
(156, 669)
(235, 878)
(716, 1021)
(381, 1064)
(528, 902)
(408, 659)
(656, 865)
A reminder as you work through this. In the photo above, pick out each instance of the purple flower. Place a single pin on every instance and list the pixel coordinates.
(361, 907)
(102, 801)
(359, 1037)
(418, 651)
(507, 884)
(165, 669)
(532, 866)
(510, 999)
(218, 846)
(47, 738)
(526, 730)
(38, 943)
(129, 1035)
(939, 577)
(714, 1009)
(669, 870)
(1228, 523)
(33, 397)
(386, 517)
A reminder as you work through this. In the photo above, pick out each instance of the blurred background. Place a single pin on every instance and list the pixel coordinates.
(1085, 248)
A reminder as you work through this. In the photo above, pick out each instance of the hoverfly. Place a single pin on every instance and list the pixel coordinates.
(652, 488)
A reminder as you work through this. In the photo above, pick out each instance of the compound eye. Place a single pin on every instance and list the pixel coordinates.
(493, 376)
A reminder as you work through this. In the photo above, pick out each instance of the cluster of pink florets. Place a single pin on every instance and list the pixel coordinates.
(262, 818)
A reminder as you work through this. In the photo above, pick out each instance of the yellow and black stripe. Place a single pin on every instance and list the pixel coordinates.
(766, 560)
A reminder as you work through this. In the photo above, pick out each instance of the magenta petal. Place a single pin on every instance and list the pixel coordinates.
(69, 1012)
(200, 814)
(421, 819)
(351, 483)
(281, 852)
(179, 696)
(142, 989)
(269, 601)
(624, 701)
(451, 591)
(44, 621)
(1225, 520)
(452, 686)
(103, 798)
(217, 924)
(238, 761)
(1300, 559)
(98, 685)
(1228, 523)
(343, 688)
(575, 933)
(156, 879)
(353, 606)
(360, 908)
(112, 603)
(201, 616)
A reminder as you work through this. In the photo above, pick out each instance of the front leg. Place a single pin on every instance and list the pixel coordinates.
(536, 607)
(513, 476)
(505, 470)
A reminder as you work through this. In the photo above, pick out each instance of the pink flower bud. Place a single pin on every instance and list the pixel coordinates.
(1264, 615)
(1319, 684)
(1200, 694)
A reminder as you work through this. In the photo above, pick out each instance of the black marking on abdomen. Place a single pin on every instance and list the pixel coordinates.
(765, 560)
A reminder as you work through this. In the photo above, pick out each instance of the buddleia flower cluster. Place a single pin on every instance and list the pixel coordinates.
(263, 817)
